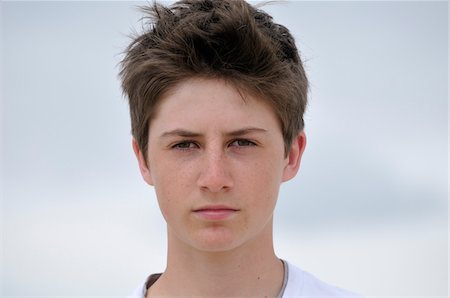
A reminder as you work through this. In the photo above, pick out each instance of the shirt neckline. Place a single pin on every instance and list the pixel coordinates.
(154, 277)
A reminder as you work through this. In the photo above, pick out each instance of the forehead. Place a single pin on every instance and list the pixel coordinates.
(203, 102)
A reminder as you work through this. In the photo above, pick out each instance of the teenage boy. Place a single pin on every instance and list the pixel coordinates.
(217, 93)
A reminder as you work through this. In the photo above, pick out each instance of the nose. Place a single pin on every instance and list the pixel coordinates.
(215, 175)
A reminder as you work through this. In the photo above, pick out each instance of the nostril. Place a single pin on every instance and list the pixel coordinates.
(215, 179)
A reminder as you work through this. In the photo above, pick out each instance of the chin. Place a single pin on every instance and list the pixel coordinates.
(216, 241)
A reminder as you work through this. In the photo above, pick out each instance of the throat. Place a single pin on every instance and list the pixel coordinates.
(241, 282)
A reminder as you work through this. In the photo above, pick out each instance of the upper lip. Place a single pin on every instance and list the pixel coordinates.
(215, 207)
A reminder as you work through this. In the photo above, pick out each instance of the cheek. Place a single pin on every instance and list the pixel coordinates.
(171, 187)
(164, 196)
(268, 172)
(262, 182)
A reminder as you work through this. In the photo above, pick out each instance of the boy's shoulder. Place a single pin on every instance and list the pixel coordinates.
(303, 284)
(139, 292)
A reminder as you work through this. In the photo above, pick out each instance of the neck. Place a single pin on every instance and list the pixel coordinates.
(251, 269)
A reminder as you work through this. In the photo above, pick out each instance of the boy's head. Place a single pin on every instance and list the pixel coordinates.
(226, 39)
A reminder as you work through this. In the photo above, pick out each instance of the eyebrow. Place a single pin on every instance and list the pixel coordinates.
(191, 134)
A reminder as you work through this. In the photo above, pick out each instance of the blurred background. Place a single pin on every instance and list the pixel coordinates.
(368, 210)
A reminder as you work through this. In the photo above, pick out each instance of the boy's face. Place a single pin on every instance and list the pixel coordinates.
(216, 162)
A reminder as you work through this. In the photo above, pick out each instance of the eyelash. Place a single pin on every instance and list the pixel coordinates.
(181, 145)
(186, 145)
(249, 143)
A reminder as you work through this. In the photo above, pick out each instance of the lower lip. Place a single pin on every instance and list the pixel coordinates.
(215, 214)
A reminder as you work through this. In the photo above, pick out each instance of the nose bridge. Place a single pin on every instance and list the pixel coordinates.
(215, 175)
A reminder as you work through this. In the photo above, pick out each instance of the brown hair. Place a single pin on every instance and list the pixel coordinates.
(227, 39)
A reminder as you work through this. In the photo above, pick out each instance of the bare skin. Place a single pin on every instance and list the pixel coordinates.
(242, 273)
(216, 161)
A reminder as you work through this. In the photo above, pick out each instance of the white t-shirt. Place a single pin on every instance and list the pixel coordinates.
(298, 283)
(304, 284)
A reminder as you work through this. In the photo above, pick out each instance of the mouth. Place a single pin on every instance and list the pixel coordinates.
(215, 212)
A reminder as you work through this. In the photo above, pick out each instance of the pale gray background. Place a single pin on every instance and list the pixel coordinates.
(368, 210)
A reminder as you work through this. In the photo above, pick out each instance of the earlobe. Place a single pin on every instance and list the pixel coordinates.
(294, 157)
(143, 166)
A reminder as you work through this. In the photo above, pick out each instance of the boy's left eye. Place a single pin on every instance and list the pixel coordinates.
(242, 143)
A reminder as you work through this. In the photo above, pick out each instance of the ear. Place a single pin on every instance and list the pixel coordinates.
(294, 157)
(143, 167)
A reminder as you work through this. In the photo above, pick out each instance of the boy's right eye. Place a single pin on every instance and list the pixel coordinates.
(185, 145)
